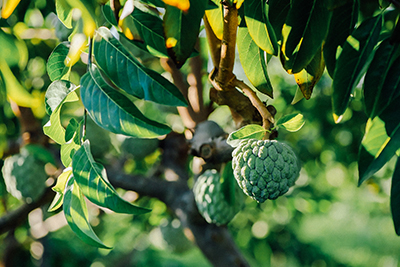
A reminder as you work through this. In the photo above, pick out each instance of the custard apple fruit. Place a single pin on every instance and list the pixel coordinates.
(264, 169)
(211, 201)
(24, 176)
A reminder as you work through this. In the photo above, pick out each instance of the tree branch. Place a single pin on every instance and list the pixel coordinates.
(16, 217)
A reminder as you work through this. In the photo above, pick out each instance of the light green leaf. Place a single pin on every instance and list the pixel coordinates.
(304, 31)
(344, 18)
(292, 122)
(56, 93)
(251, 131)
(77, 216)
(64, 13)
(72, 141)
(53, 128)
(113, 111)
(56, 203)
(181, 30)
(56, 68)
(352, 63)
(382, 80)
(128, 74)
(92, 180)
(253, 62)
(259, 27)
(13, 51)
(216, 20)
(395, 197)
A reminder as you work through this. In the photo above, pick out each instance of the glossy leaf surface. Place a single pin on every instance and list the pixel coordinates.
(113, 111)
(93, 182)
(56, 68)
(251, 131)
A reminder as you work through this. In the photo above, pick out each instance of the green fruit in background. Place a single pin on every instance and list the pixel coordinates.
(211, 200)
(264, 169)
(139, 148)
(24, 176)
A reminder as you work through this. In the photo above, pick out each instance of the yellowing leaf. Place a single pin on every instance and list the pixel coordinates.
(183, 5)
(15, 91)
(8, 8)
(78, 42)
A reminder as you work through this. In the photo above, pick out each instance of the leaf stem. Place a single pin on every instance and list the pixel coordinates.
(267, 117)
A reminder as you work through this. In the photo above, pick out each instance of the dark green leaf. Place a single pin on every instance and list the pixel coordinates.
(382, 80)
(56, 68)
(150, 29)
(259, 26)
(344, 18)
(40, 153)
(352, 62)
(292, 122)
(128, 74)
(56, 94)
(308, 77)
(108, 13)
(395, 197)
(228, 183)
(304, 31)
(251, 131)
(380, 142)
(77, 216)
(253, 62)
(277, 13)
(113, 111)
(92, 180)
(181, 30)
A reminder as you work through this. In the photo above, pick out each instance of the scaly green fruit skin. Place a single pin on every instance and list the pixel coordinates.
(211, 201)
(264, 169)
(24, 176)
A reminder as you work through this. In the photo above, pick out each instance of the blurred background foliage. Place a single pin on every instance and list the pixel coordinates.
(325, 220)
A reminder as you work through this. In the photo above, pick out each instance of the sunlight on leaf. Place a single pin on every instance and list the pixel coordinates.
(292, 122)
(251, 131)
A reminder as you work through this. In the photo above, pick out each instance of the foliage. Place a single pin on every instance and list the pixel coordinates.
(123, 67)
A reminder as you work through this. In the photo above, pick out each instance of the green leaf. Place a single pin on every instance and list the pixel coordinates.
(56, 93)
(228, 183)
(292, 122)
(56, 203)
(92, 180)
(382, 80)
(259, 26)
(64, 13)
(128, 74)
(40, 153)
(277, 13)
(251, 131)
(56, 68)
(216, 20)
(113, 111)
(59, 188)
(53, 128)
(352, 62)
(343, 20)
(150, 29)
(308, 77)
(181, 30)
(108, 13)
(380, 142)
(395, 197)
(77, 216)
(72, 141)
(304, 31)
(253, 62)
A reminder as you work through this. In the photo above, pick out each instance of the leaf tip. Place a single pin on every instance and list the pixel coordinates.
(337, 118)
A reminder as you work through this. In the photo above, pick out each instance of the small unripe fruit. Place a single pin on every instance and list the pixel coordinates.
(264, 169)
